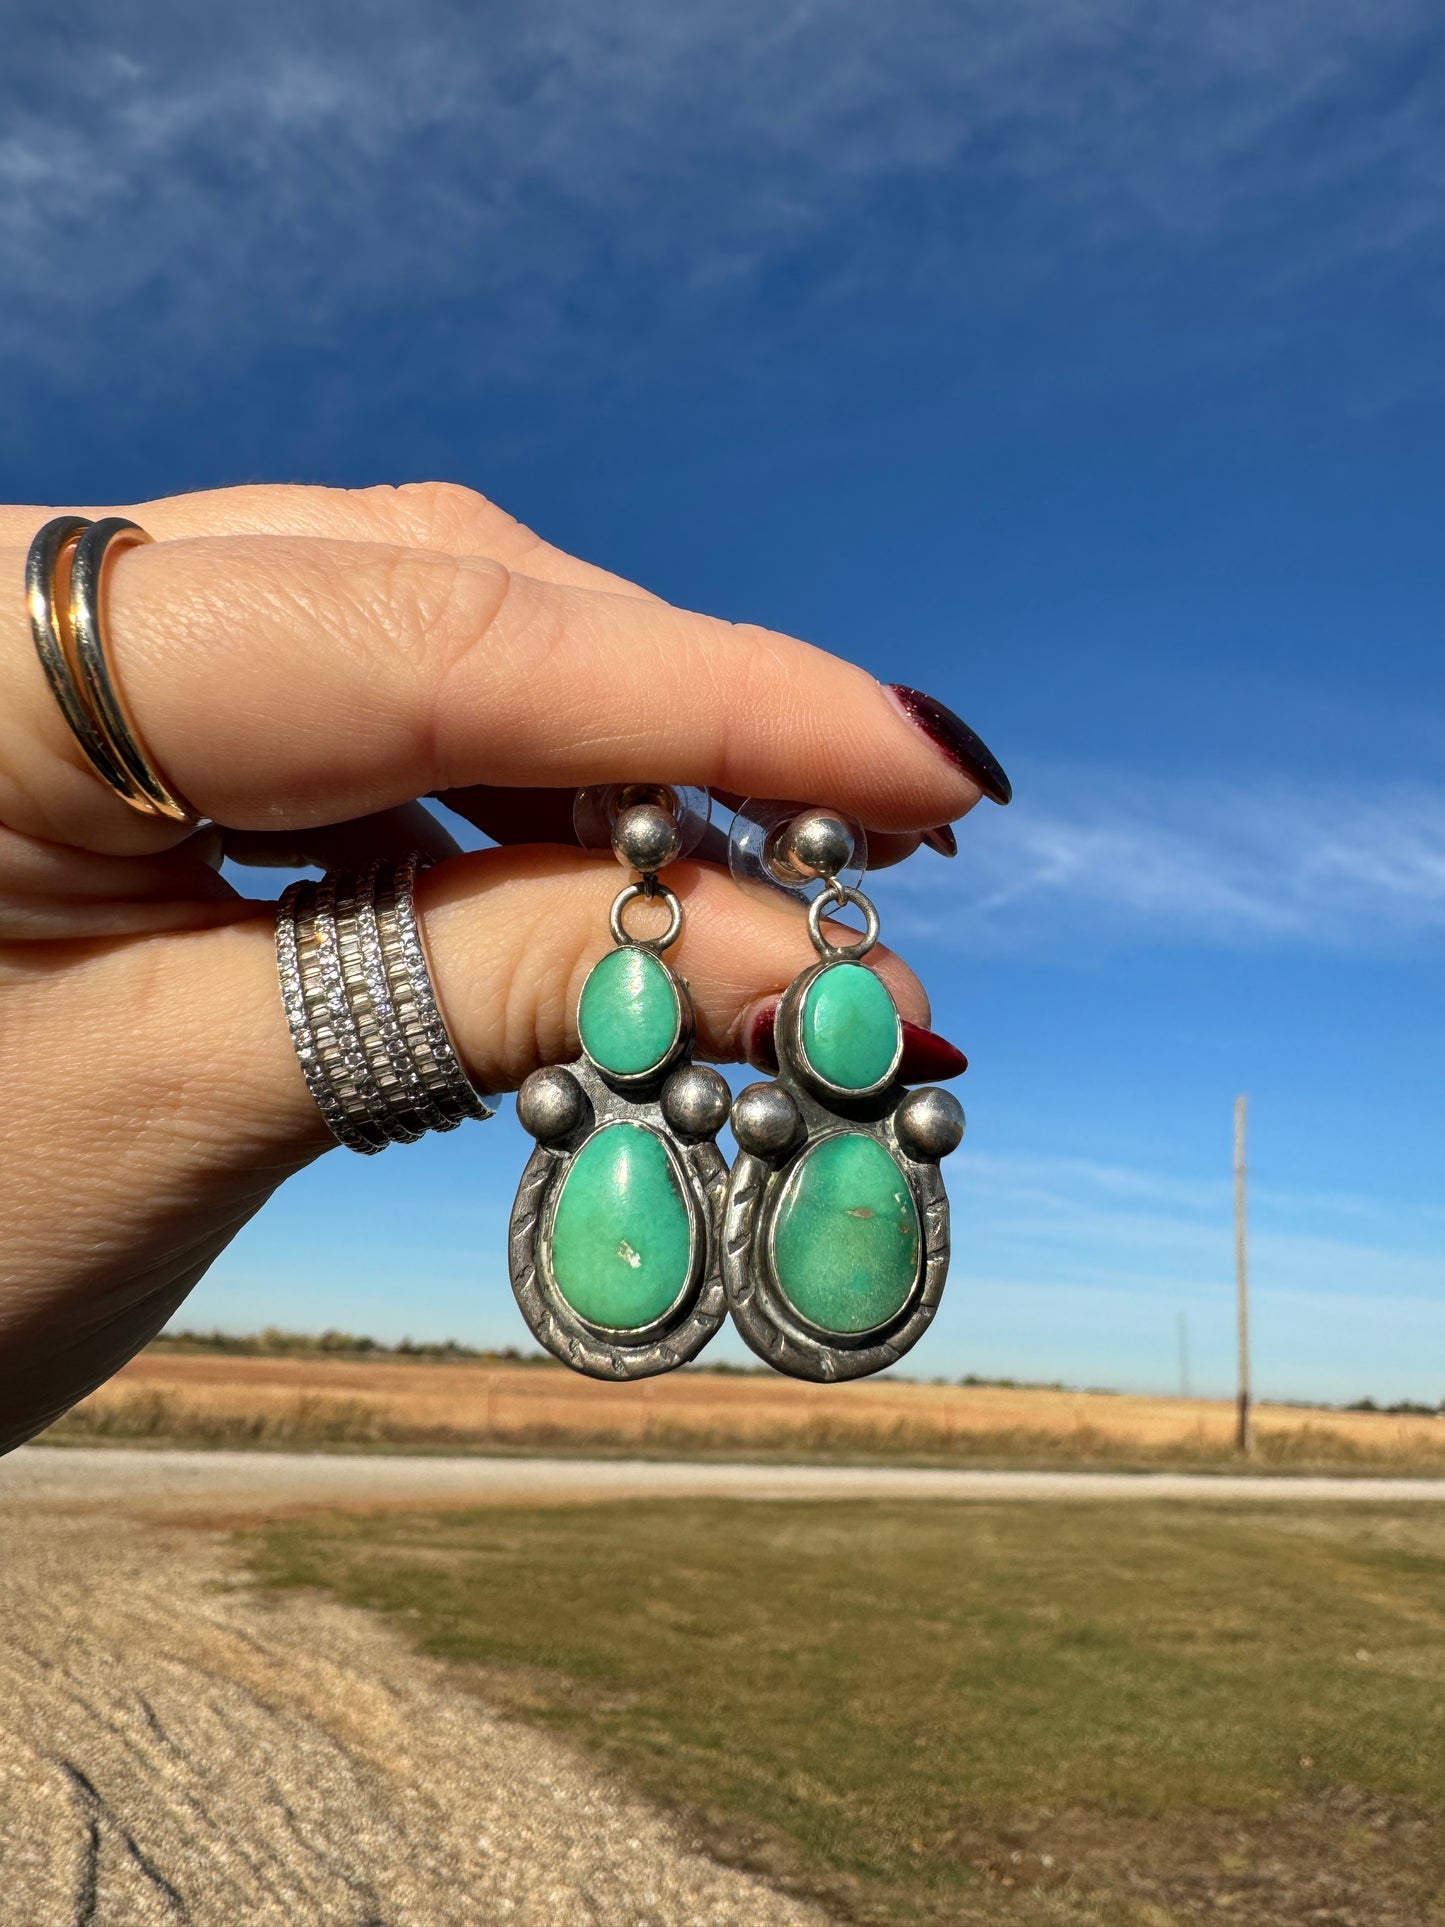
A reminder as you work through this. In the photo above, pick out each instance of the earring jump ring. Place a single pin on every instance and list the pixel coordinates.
(660, 894)
(833, 897)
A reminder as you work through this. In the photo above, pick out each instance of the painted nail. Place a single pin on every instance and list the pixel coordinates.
(927, 1057)
(762, 1052)
(942, 839)
(965, 750)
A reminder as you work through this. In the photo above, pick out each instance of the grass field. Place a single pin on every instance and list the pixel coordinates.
(1037, 1716)
(493, 1406)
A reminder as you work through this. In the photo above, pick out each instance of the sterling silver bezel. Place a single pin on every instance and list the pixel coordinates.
(789, 1034)
(766, 1319)
(698, 1311)
(682, 1030)
(767, 1233)
(546, 1253)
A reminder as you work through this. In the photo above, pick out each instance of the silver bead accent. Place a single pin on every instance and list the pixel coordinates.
(766, 1121)
(815, 844)
(646, 838)
(550, 1104)
(930, 1124)
(695, 1101)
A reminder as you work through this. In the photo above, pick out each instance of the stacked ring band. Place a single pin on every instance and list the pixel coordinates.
(70, 641)
(365, 1022)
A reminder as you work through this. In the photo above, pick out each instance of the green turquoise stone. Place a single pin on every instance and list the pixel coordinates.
(629, 1014)
(621, 1240)
(851, 1033)
(845, 1236)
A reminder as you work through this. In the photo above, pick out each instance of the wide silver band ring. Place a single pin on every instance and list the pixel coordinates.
(365, 1021)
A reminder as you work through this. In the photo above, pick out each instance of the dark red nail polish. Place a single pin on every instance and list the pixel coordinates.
(942, 839)
(966, 750)
(762, 1052)
(927, 1057)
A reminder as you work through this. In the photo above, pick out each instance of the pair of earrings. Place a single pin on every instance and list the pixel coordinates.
(828, 1241)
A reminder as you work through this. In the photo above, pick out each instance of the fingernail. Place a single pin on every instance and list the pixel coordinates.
(762, 1052)
(927, 1057)
(209, 844)
(963, 748)
(942, 839)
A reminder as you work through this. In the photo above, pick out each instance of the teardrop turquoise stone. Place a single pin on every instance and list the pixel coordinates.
(628, 1015)
(850, 1027)
(845, 1237)
(621, 1240)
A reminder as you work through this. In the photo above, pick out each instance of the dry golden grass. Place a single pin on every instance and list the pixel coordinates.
(482, 1405)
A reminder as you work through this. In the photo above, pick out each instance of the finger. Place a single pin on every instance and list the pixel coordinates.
(511, 935)
(536, 921)
(51, 894)
(192, 1107)
(283, 683)
(417, 515)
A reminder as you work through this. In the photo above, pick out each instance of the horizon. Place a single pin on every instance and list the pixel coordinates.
(1079, 366)
(361, 1344)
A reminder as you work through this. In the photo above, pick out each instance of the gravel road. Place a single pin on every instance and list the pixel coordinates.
(183, 1482)
(176, 1747)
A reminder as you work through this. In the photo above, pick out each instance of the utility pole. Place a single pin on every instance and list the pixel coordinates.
(1183, 1320)
(1244, 1436)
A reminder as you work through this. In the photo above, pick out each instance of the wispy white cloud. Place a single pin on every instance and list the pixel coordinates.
(1069, 1267)
(1188, 862)
(290, 162)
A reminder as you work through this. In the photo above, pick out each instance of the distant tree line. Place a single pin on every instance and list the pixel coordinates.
(1402, 1407)
(273, 1342)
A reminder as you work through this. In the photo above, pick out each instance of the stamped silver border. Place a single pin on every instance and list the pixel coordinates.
(766, 1320)
(695, 1317)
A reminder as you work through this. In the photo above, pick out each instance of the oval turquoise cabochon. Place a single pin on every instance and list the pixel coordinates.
(846, 1235)
(851, 1033)
(621, 1237)
(629, 1013)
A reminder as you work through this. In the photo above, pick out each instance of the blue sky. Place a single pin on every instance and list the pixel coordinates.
(1077, 362)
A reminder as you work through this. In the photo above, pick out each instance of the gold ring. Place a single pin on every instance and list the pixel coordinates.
(98, 718)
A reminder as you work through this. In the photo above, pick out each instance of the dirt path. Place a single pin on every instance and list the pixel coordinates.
(175, 1748)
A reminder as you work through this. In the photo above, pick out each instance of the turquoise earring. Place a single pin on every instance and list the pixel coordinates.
(835, 1228)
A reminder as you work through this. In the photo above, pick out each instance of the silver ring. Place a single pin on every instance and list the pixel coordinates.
(630, 895)
(377, 1010)
(293, 908)
(833, 897)
(365, 1023)
(433, 1050)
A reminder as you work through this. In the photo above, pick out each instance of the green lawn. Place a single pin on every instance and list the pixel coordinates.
(932, 1713)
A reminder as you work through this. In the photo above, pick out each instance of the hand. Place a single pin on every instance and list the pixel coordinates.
(303, 664)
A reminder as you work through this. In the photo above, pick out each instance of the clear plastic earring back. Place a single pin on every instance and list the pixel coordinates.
(596, 809)
(791, 847)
